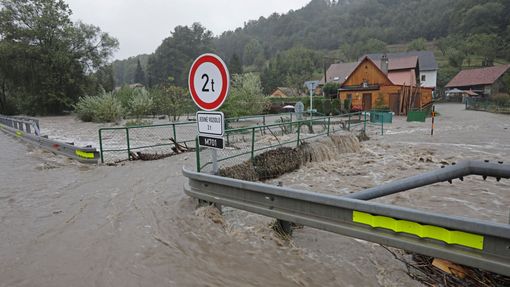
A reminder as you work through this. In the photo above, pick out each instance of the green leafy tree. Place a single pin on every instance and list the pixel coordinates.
(419, 44)
(291, 68)
(47, 60)
(331, 89)
(139, 74)
(235, 66)
(175, 55)
(246, 96)
(252, 51)
(172, 101)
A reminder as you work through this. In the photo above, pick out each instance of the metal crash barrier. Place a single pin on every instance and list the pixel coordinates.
(27, 129)
(472, 242)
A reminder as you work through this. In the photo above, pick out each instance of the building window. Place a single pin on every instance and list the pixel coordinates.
(423, 78)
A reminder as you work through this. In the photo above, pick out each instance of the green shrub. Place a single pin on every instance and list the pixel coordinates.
(103, 108)
(501, 99)
(140, 104)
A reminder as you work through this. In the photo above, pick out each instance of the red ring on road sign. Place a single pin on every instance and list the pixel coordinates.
(224, 78)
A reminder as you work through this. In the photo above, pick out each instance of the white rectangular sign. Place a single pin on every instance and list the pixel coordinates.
(211, 123)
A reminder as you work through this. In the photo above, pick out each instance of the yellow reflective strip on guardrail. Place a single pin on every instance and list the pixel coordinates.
(84, 154)
(19, 133)
(423, 231)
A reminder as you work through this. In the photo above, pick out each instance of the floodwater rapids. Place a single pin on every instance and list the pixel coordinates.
(68, 224)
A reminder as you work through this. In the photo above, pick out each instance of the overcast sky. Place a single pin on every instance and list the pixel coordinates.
(140, 26)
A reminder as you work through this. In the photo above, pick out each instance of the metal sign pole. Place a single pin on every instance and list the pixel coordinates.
(214, 156)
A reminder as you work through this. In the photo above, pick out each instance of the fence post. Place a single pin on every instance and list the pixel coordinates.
(175, 134)
(298, 133)
(128, 145)
(382, 123)
(349, 122)
(329, 122)
(252, 143)
(101, 145)
(197, 152)
(364, 121)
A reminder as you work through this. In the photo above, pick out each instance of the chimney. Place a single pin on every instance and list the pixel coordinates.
(384, 63)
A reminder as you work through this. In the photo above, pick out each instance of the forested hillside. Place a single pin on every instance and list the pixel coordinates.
(290, 48)
(47, 62)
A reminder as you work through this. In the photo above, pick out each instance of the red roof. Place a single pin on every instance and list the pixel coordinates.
(403, 78)
(483, 76)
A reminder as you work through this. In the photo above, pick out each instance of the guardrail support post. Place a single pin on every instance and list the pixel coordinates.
(283, 227)
(252, 143)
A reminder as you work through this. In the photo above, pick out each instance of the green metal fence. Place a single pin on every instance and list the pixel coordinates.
(478, 104)
(245, 137)
(117, 143)
(245, 143)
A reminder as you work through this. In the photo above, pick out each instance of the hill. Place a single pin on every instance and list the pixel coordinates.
(343, 30)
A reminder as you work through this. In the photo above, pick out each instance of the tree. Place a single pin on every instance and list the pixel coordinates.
(419, 44)
(246, 96)
(235, 66)
(176, 54)
(172, 101)
(139, 74)
(331, 89)
(485, 45)
(252, 51)
(47, 61)
(291, 68)
(455, 57)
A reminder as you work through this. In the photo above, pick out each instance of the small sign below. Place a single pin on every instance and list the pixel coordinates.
(211, 123)
(212, 142)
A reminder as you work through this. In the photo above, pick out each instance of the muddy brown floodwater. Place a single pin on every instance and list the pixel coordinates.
(67, 224)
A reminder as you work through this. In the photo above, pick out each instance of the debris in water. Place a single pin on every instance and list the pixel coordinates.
(212, 213)
(276, 162)
(422, 268)
(362, 136)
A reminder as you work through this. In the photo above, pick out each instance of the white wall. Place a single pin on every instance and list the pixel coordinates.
(430, 79)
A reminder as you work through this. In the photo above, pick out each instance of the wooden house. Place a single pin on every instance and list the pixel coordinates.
(483, 81)
(389, 85)
(284, 92)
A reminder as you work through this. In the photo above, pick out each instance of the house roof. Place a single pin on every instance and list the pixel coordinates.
(402, 63)
(371, 61)
(339, 72)
(402, 77)
(482, 76)
(426, 58)
(289, 92)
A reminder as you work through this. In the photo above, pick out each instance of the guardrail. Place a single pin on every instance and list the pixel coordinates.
(472, 242)
(27, 129)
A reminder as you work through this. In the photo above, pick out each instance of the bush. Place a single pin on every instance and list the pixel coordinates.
(103, 108)
(501, 99)
(140, 104)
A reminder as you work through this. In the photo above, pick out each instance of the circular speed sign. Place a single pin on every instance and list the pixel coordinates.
(209, 82)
